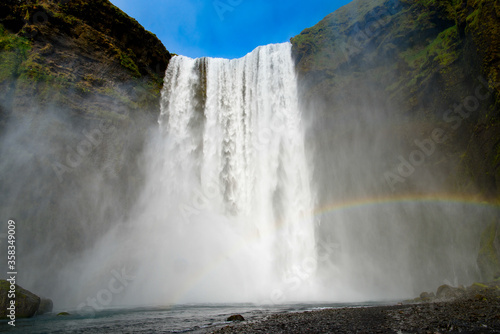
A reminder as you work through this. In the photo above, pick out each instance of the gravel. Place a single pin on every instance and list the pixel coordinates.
(477, 312)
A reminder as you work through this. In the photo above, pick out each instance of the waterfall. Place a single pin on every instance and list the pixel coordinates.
(225, 212)
(234, 202)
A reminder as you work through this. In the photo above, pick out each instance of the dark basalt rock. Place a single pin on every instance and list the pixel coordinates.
(235, 317)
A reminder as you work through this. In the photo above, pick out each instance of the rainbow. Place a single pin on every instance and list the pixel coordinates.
(432, 198)
(352, 204)
(335, 207)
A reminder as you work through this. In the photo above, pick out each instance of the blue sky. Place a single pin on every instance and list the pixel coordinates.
(225, 28)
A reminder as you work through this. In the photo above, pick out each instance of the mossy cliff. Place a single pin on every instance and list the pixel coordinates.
(415, 60)
(64, 51)
(488, 259)
(408, 97)
(80, 86)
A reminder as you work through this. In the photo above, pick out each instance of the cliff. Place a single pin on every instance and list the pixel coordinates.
(414, 66)
(65, 51)
(80, 86)
(405, 97)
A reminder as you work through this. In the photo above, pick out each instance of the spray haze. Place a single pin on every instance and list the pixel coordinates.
(243, 203)
(393, 197)
(229, 201)
(296, 173)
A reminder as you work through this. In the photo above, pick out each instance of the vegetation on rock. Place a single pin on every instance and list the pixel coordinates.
(488, 259)
(400, 70)
(80, 87)
(418, 58)
(26, 303)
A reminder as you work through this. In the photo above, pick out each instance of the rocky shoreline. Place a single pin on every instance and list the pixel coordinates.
(475, 309)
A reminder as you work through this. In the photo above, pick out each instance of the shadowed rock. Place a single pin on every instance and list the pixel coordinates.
(46, 306)
(26, 302)
(236, 317)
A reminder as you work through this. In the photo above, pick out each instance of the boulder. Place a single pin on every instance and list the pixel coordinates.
(46, 306)
(63, 314)
(447, 292)
(26, 302)
(426, 296)
(235, 317)
(443, 291)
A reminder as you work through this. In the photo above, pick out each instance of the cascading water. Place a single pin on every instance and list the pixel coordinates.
(226, 212)
(231, 208)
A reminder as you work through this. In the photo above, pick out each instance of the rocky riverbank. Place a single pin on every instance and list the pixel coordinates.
(475, 309)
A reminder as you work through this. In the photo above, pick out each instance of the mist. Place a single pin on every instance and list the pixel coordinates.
(67, 180)
(129, 212)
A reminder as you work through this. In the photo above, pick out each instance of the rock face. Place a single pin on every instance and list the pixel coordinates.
(406, 63)
(68, 51)
(384, 77)
(80, 84)
(46, 306)
(448, 292)
(26, 304)
(488, 259)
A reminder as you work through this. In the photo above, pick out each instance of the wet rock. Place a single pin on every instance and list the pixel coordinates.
(478, 287)
(445, 292)
(426, 296)
(63, 314)
(235, 317)
(26, 302)
(488, 259)
(442, 291)
(46, 306)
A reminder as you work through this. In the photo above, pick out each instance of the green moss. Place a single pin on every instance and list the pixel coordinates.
(13, 51)
(69, 19)
(4, 285)
(127, 61)
(415, 57)
(83, 87)
(443, 9)
(473, 20)
(444, 48)
(34, 69)
(110, 91)
(479, 286)
(93, 80)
